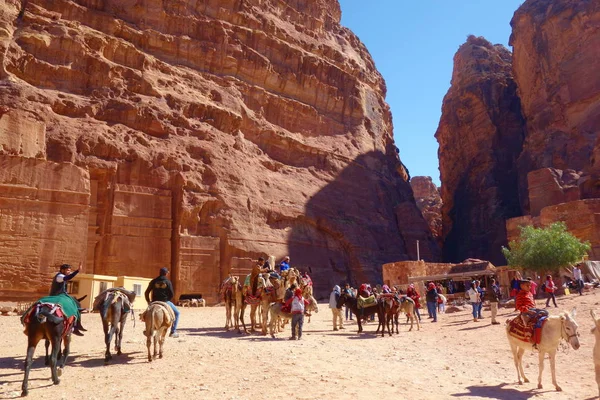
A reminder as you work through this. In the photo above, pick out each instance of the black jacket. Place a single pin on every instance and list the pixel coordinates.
(161, 288)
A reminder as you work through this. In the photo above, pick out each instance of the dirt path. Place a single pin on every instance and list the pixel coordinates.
(454, 358)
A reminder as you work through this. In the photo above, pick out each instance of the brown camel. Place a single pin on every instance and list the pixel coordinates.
(229, 288)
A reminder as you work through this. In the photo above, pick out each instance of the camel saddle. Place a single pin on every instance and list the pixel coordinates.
(366, 302)
(529, 331)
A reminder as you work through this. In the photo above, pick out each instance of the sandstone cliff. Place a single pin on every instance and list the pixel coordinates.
(556, 49)
(429, 201)
(480, 137)
(203, 134)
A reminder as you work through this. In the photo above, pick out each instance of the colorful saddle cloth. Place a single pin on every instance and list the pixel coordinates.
(61, 306)
(530, 331)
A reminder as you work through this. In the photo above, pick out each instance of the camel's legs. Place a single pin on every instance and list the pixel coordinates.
(553, 369)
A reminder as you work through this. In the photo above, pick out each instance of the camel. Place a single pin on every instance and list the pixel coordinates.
(556, 327)
(273, 291)
(113, 305)
(50, 321)
(394, 308)
(158, 318)
(596, 332)
(230, 287)
(277, 314)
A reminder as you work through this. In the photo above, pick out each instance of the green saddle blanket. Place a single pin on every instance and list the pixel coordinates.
(366, 302)
(67, 303)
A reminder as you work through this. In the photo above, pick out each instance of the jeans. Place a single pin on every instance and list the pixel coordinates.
(580, 286)
(432, 309)
(477, 310)
(550, 295)
(297, 321)
(176, 312)
(418, 313)
(348, 314)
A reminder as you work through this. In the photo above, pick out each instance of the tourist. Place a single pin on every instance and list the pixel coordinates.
(475, 300)
(350, 292)
(64, 274)
(284, 265)
(297, 305)
(161, 289)
(432, 297)
(550, 289)
(412, 293)
(578, 279)
(533, 287)
(334, 299)
(492, 294)
(450, 286)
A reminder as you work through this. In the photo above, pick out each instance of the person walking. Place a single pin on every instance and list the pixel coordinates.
(432, 298)
(412, 293)
(475, 300)
(297, 306)
(351, 292)
(492, 294)
(550, 289)
(161, 289)
(577, 276)
(334, 298)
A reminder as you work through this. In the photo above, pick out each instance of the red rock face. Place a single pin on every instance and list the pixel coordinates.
(480, 136)
(556, 59)
(429, 201)
(209, 133)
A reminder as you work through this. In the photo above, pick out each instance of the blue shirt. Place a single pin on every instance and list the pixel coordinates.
(284, 266)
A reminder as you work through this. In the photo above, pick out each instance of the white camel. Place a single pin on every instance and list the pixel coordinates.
(556, 327)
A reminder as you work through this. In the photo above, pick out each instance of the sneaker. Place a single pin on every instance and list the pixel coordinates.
(76, 332)
(335, 329)
(174, 335)
(293, 338)
(475, 320)
(341, 327)
(495, 323)
(435, 320)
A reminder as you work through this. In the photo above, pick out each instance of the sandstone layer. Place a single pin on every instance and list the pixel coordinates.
(480, 137)
(556, 49)
(429, 201)
(204, 134)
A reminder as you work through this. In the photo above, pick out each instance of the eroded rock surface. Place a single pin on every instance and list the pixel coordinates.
(480, 137)
(429, 201)
(211, 132)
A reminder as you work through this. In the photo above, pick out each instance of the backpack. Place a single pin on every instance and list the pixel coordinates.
(298, 305)
(543, 288)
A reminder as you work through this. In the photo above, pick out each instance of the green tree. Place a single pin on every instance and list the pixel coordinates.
(545, 249)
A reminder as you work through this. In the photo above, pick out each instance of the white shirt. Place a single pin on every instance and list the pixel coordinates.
(576, 273)
(60, 278)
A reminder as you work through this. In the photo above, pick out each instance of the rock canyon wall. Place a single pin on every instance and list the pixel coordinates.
(516, 115)
(195, 135)
(482, 113)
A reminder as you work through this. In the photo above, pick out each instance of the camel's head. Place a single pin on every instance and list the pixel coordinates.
(569, 329)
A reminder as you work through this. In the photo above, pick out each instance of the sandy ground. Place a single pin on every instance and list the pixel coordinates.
(454, 358)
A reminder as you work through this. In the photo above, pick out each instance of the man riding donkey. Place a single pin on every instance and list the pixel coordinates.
(531, 317)
(59, 286)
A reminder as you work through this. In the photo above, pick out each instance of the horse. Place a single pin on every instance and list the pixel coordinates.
(42, 322)
(352, 303)
(158, 318)
(556, 327)
(393, 308)
(113, 305)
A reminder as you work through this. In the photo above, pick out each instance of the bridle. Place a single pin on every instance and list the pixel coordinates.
(563, 333)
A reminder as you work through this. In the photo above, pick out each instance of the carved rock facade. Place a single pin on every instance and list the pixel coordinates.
(201, 135)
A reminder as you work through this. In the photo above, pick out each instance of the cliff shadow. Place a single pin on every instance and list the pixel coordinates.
(363, 217)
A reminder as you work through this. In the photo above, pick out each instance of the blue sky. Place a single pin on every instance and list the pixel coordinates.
(413, 44)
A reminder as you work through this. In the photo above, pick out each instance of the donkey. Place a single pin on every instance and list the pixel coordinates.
(158, 318)
(557, 327)
(392, 310)
(43, 323)
(113, 305)
(277, 314)
(351, 302)
(596, 332)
